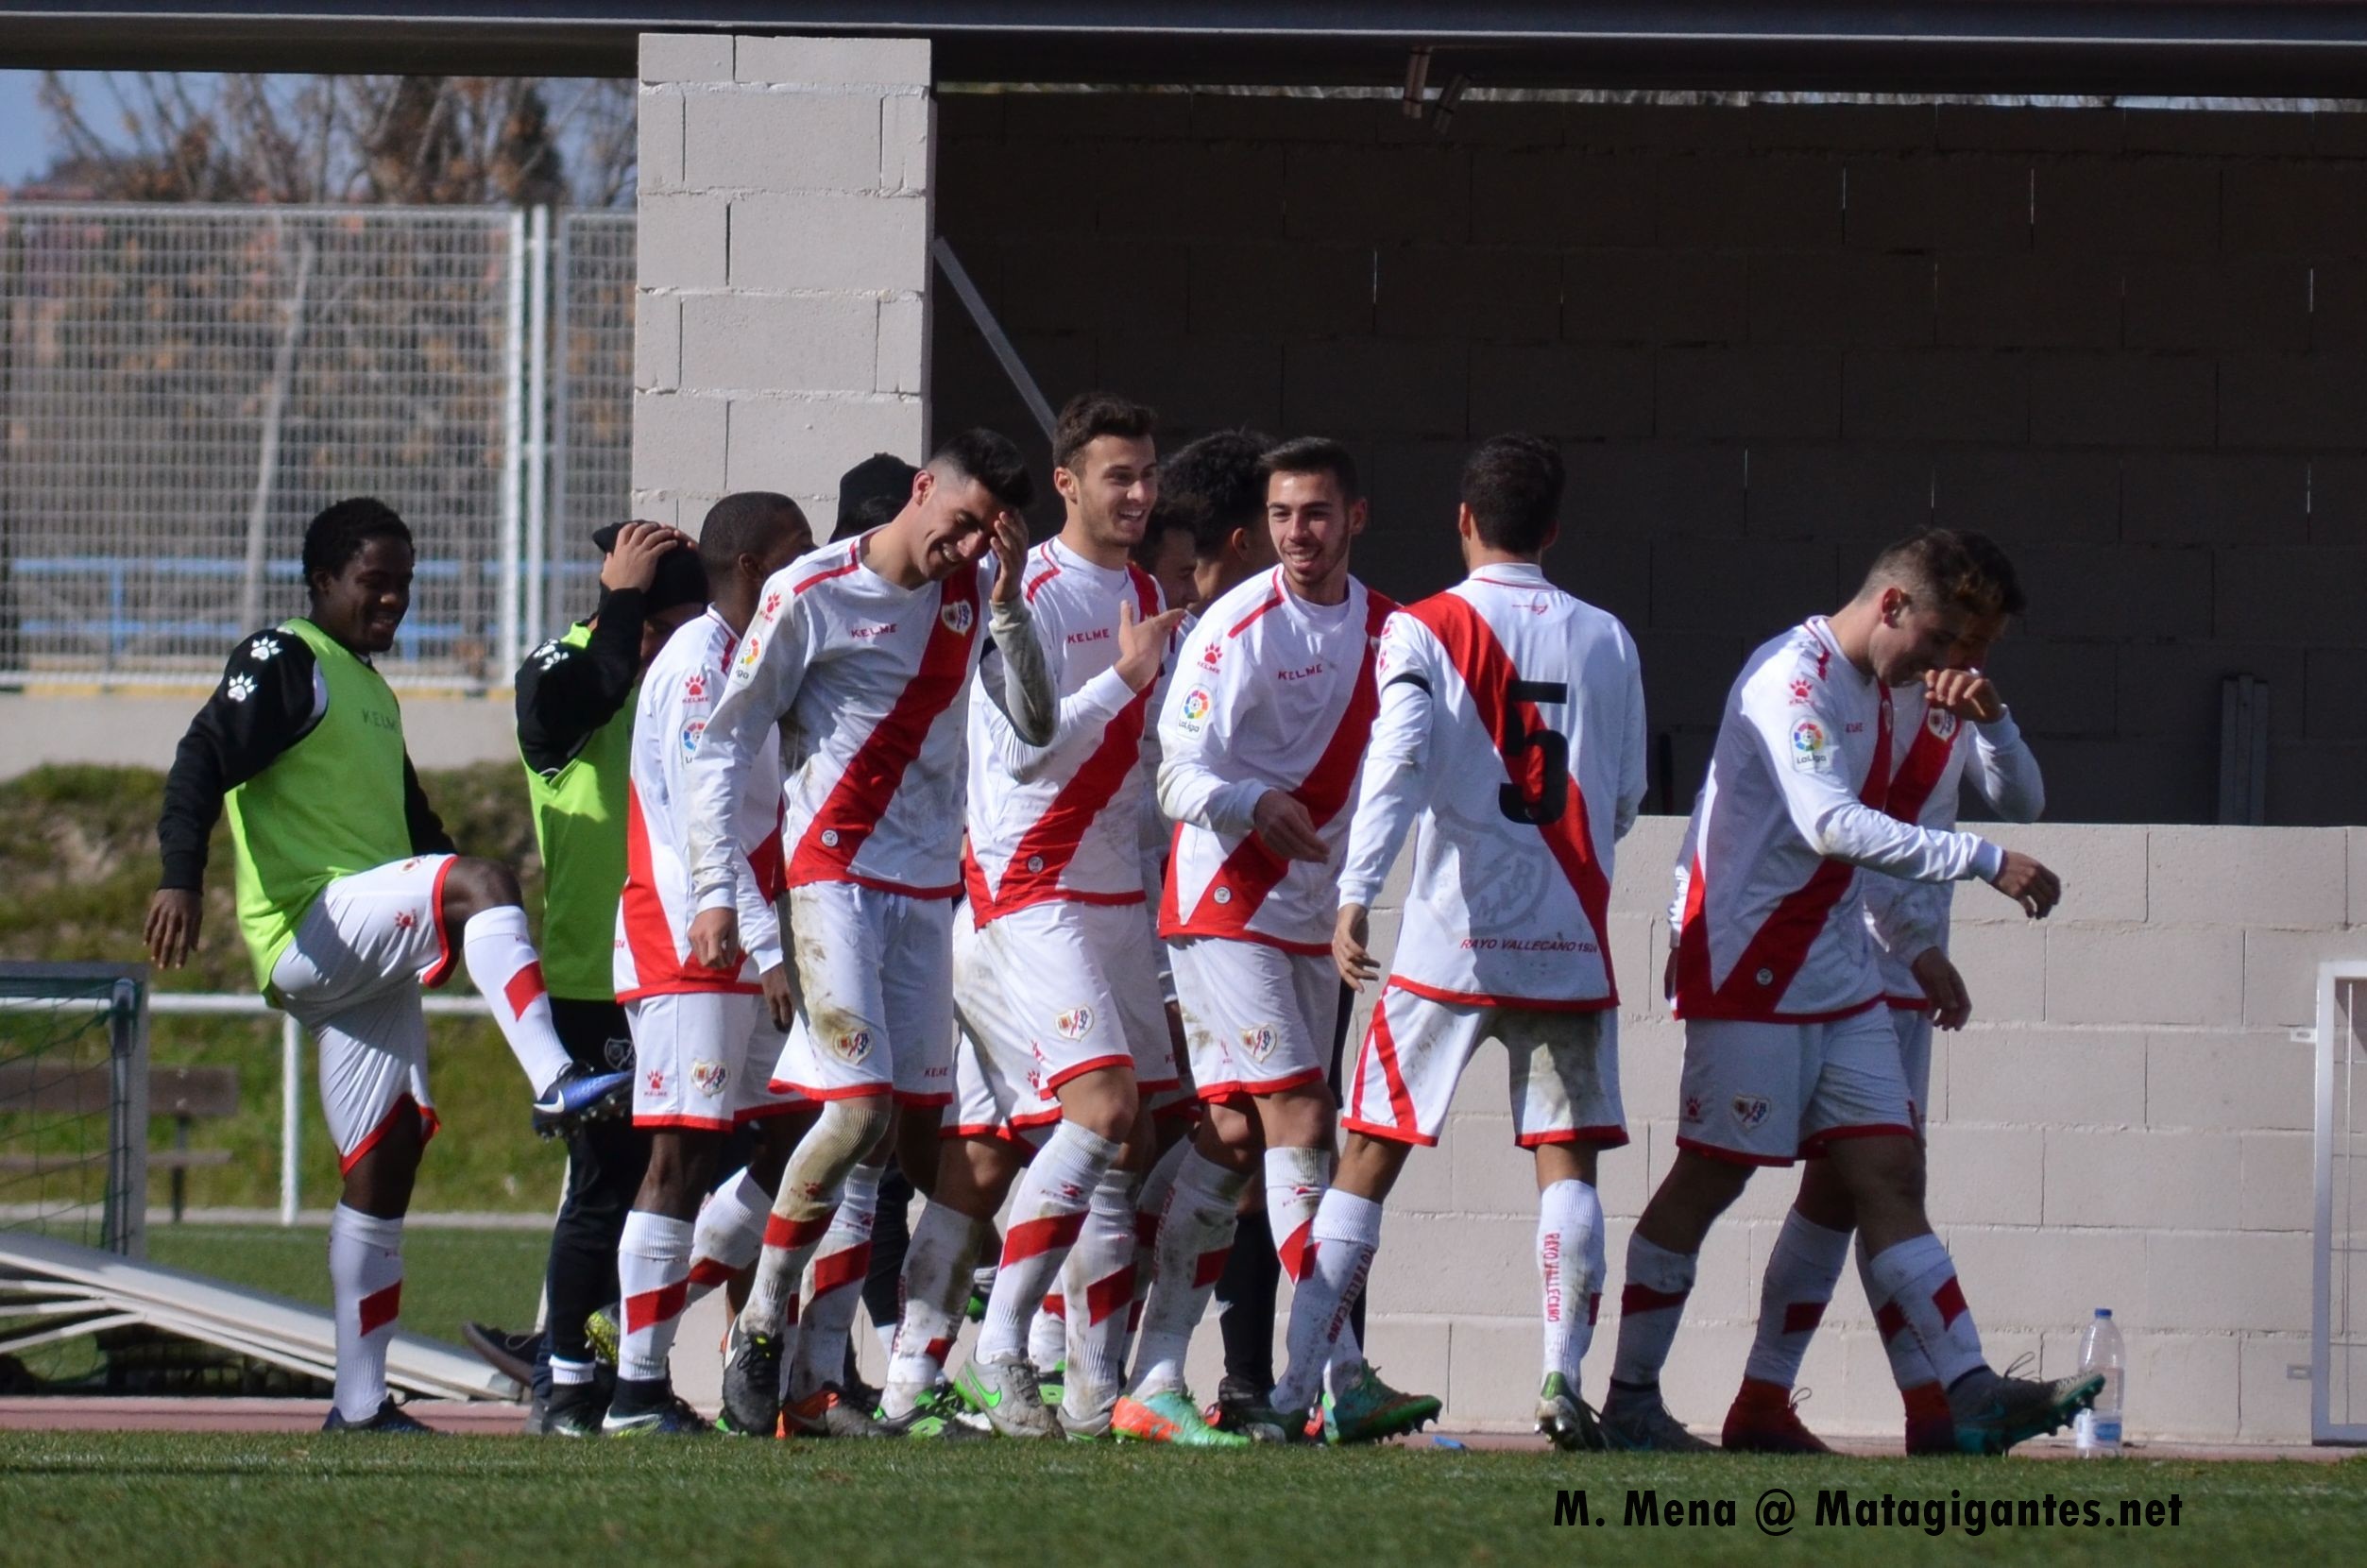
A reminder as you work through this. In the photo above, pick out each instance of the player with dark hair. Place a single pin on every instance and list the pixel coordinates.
(1215, 482)
(1511, 729)
(1261, 736)
(1788, 1049)
(574, 697)
(1951, 731)
(350, 895)
(866, 647)
(1058, 995)
(705, 1037)
(1169, 553)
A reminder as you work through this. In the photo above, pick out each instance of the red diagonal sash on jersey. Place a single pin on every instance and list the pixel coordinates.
(1045, 850)
(1488, 674)
(1781, 944)
(1919, 770)
(865, 789)
(1252, 871)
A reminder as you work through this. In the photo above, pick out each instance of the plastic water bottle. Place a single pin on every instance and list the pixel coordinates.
(2096, 1434)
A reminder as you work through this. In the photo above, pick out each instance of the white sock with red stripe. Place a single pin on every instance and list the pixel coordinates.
(1918, 1381)
(1099, 1291)
(1569, 1243)
(936, 1290)
(652, 1278)
(1149, 1202)
(1919, 1279)
(834, 1287)
(728, 1235)
(1047, 1213)
(1650, 1307)
(1337, 1256)
(1195, 1237)
(1296, 1182)
(1047, 1332)
(365, 1282)
(1802, 1269)
(503, 967)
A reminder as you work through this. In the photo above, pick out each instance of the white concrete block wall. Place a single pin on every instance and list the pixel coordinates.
(2125, 1125)
(782, 315)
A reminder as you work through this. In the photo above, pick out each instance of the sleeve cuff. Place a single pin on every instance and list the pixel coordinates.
(1358, 892)
(2000, 731)
(1233, 808)
(1987, 860)
(1106, 694)
(717, 897)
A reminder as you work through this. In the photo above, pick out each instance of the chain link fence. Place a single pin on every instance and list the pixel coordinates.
(181, 387)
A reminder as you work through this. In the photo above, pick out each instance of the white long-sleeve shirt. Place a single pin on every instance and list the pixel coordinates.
(653, 950)
(1511, 728)
(1771, 922)
(1270, 692)
(1064, 820)
(1935, 755)
(869, 679)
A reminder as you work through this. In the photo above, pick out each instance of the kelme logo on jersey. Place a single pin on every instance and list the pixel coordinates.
(1260, 1042)
(1073, 1024)
(711, 1077)
(853, 1046)
(957, 618)
(694, 687)
(1211, 656)
(1749, 1111)
(691, 733)
(1810, 746)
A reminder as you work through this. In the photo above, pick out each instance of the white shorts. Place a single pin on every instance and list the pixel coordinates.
(1565, 1070)
(1256, 1020)
(875, 980)
(703, 1061)
(1081, 993)
(1771, 1093)
(996, 1094)
(1913, 1026)
(352, 977)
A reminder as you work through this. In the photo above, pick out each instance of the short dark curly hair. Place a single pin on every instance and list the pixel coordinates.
(1513, 485)
(1214, 486)
(338, 534)
(1090, 414)
(1943, 566)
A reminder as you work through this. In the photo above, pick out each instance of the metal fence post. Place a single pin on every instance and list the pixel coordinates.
(538, 428)
(291, 1117)
(506, 651)
(127, 1228)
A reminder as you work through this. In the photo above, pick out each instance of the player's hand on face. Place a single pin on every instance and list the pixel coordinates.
(1142, 644)
(1008, 535)
(1943, 988)
(1282, 822)
(1348, 953)
(632, 564)
(715, 939)
(2029, 884)
(175, 915)
(779, 998)
(1967, 693)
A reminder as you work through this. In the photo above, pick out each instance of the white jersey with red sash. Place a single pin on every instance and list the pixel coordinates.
(867, 679)
(1064, 820)
(1270, 692)
(653, 948)
(1770, 926)
(1937, 754)
(1511, 727)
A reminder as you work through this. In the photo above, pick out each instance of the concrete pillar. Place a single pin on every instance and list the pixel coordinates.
(781, 307)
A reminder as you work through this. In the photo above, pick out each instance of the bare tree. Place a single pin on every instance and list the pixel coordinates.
(440, 140)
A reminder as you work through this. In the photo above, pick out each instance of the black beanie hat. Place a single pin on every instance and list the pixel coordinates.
(680, 580)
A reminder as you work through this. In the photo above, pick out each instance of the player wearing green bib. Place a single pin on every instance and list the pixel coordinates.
(349, 893)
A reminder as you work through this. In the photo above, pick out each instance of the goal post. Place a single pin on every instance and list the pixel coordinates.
(73, 1114)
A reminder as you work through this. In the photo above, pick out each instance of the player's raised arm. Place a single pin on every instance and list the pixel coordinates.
(1028, 703)
(766, 672)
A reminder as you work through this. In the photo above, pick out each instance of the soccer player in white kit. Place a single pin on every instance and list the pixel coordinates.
(1952, 731)
(1788, 1050)
(1261, 735)
(1511, 729)
(1055, 883)
(704, 1039)
(864, 651)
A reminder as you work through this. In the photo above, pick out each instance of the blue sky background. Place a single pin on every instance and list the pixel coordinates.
(24, 147)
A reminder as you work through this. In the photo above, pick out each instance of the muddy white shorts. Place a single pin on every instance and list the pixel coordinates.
(1257, 1020)
(1770, 1092)
(703, 1061)
(875, 972)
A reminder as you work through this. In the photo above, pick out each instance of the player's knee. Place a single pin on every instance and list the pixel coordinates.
(1105, 1104)
(1369, 1166)
(473, 885)
(1297, 1119)
(680, 1165)
(842, 1135)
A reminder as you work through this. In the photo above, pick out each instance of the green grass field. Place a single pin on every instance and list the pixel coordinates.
(76, 1501)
